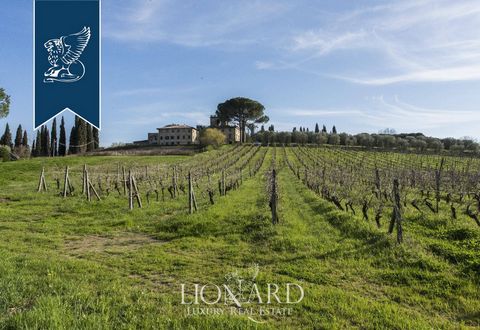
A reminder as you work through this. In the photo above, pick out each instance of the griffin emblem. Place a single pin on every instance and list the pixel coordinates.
(64, 55)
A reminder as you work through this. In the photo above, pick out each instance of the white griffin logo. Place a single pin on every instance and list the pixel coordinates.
(64, 54)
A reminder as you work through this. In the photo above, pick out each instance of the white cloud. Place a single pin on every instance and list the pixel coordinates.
(264, 65)
(161, 113)
(191, 23)
(402, 41)
(407, 117)
(462, 73)
(380, 112)
(323, 44)
(315, 112)
(155, 91)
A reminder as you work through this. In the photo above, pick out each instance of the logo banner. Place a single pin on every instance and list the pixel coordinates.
(67, 59)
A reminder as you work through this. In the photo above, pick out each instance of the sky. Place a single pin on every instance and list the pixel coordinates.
(410, 65)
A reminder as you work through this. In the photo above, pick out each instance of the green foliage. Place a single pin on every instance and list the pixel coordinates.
(6, 138)
(243, 111)
(25, 139)
(4, 103)
(81, 135)
(53, 139)
(414, 142)
(62, 142)
(70, 264)
(18, 136)
(212, 137)
(4, 153)
(73, 143)
(90, 141)
(96, 138)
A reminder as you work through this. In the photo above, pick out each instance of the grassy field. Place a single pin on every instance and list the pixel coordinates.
(73, 264)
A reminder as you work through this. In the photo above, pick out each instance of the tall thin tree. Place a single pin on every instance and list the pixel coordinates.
(53, 139)
(45, 141)
(81, 128)
(18, 137)
(62, 142)
(6, 138)
(34, 150)
(96, 138)
(90, 142)
(38, 144)
(25, 139)
(72, 145)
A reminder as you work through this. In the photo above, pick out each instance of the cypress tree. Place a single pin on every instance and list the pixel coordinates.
(334, 130)
(38, 144)
(25, 139)
(18, 137)
(90, 142)
(6, 139)
(41, 144)
(324, 129)
(45, 142)
(32, 153)
(53, 139)
(81, 129)
(96, 138)
(317, 129)
(72, 149)
(62, 143)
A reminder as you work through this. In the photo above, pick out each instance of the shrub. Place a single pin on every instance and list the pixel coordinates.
(4, 153)
(212, 137)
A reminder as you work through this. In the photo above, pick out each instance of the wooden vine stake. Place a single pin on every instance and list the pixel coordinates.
(174, 182)
(84, 181)
(274, 197)
(42, 185)
(118, 173)
(124, 181)
(223, 188)
(130, 190)
(192, 201)
(396, 214)
(88, 186)
(133, 192)
(67, 187)
(438, 176)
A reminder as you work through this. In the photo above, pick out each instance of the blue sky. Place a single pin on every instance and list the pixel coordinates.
(411, 65)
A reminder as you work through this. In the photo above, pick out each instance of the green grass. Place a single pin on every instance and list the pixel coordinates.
(70, 264)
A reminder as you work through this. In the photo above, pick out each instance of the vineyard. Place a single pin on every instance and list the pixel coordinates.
(377, 239)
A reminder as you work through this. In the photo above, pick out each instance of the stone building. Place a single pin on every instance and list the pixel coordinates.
(176, 135)
(152, 138)
(232, 132)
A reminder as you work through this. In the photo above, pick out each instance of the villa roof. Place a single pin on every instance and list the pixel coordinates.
(176, 126)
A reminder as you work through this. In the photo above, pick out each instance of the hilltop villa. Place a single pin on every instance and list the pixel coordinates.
(175, 134)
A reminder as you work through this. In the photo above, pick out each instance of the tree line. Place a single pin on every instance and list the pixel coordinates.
(404, 141)
(50, 142)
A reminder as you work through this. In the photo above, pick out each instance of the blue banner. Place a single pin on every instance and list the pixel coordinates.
(67, 59)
